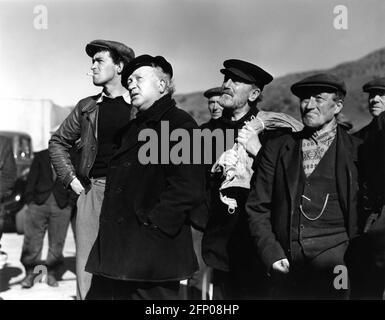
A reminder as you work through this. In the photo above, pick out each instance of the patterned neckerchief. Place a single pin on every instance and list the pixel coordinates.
(315, 147)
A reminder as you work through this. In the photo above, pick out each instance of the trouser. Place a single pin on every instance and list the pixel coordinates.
(39, 219)
(87, 227)
(314, 278)
(198, 284)
(367, 267)
(2, 214)
(103, 288)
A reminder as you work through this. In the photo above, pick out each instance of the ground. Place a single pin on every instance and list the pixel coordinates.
(13, 272)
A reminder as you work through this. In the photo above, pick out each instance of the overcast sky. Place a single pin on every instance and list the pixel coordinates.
(196, 36)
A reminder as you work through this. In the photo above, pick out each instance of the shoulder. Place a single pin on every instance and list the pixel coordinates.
(85, 102)
(350, 141)
(180, 118)
(275, 139)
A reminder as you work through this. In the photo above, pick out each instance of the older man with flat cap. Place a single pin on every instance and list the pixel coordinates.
(213, 95)
(372, 163)
(144, 247)
(302, 208)
(226, 246)
(95, 121)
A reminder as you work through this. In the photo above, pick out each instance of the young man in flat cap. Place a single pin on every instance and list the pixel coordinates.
(144, 247)
(371, 270)
(302, 208)
(95, 121)
(227, 246)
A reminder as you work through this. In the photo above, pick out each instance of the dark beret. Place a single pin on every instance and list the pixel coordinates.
(146, 60)
(320, 80)
(119, 48)
(217, 91)
(247, 71)
(375, 84)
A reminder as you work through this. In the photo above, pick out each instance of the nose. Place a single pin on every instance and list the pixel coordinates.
(131, 84)
(376, 98)
(310, 103)
(93, 66)
(227, 83)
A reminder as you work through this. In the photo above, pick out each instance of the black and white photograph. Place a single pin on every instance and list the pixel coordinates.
(208, 151)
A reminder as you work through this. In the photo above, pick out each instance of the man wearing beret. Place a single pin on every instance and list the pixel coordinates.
(95, 121)
(302, 208)
(144, 247)
(213, 95)
(227, 246)
(372, 160)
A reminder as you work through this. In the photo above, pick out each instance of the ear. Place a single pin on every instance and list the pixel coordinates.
(338, 107)
(254, 94)
(119, 67)
(162, 86)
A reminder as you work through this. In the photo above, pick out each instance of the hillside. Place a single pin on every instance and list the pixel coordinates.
(277, 95)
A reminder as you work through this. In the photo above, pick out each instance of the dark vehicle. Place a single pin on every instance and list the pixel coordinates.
(22, 151)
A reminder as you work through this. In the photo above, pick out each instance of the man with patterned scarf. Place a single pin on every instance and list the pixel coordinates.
(302, 208)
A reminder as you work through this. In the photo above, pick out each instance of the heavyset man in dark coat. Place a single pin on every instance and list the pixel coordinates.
(144, 246)
(302, 209)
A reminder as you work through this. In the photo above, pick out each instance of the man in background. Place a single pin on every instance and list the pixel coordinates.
(213, 95)
(7, 180)
(49, 210)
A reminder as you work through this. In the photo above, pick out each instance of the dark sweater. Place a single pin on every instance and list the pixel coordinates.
(113, 115)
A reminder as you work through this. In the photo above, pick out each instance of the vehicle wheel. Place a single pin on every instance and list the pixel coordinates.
(19, 220)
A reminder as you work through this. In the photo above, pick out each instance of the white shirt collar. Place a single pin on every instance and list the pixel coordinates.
(126, 97)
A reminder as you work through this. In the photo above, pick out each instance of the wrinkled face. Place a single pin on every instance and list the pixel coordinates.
(318, 108)
(235, 92)
(214, 107)
(376, 102)
(103, 68)
(145, 87)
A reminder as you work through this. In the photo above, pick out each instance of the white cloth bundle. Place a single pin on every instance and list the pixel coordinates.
(240, 173)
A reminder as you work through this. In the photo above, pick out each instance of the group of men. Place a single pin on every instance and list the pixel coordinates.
(288, 231)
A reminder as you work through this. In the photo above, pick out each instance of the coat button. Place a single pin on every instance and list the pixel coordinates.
(120, 220)
(302, 226)
(118, 190)
(93, 148)
(88, 166)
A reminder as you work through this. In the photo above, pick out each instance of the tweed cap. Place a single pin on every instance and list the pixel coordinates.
(217, 91)
(326, 81)
(375, 84)
(119, 48)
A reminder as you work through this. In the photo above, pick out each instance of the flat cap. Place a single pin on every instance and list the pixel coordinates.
(247, 71)
(217, 91)
(119, 48)
(320, 80)
(375, 84)
(146, 60)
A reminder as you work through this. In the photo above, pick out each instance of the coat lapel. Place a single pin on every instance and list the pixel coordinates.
(90, 109)
(343, 172)
(292, 163)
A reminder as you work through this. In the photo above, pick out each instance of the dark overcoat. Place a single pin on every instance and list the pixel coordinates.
(270, 204)
(145, 232)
